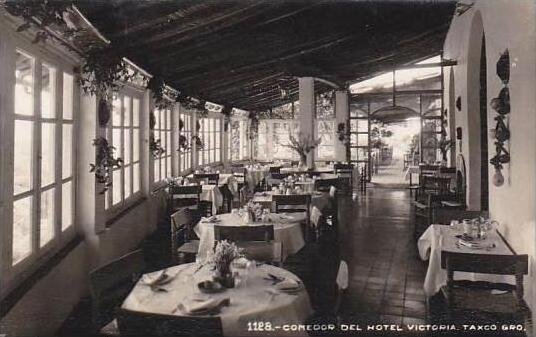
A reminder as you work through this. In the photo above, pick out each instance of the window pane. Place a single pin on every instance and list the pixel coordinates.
(67, 151)
(136, 144)
(157, 119)
(168, 167)
(24, 77)
(23, 161)
(116, 188)
(66, 205)
(47, 217)
(128, 171)
(48, 83)
(135, 112)
(136, 178)
(126, 157)
(168, 119)
(156, 170)
(162, 169)
(48, 148)
(22, 225)
(68, 90)
(126, 110)
(116, 142)
(116, 112)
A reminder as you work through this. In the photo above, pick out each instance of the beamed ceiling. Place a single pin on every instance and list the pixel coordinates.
(240, 53)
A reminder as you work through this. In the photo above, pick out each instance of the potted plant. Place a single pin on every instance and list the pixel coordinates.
(105, 163)
(302, 146)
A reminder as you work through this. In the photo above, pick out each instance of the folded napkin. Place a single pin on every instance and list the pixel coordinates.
(288, 285)
(157, 279)
(315, 216)
(211, 219)
(199, 307)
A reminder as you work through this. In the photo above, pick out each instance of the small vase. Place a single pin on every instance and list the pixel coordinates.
(226, 278)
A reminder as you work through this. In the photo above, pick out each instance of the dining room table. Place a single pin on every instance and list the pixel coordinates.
(287, 231)
(258, 296)
(438, 238)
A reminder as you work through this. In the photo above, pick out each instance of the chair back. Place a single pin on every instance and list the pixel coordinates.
(343, 168)
(239, 171)
(134, 323)
(428, 169)
(274, 169)
(182, 223)
(324, 185)
(439, 185)
(447, 170)
(244, 233)
(110, 284)
(279, 176)
(210, 178)
(184, 195)
(265, 251)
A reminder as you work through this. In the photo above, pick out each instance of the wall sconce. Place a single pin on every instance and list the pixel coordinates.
(501, 105)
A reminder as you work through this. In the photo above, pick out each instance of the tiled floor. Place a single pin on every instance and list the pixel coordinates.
(386, 274)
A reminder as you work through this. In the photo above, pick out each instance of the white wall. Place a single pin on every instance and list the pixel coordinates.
(506, 25)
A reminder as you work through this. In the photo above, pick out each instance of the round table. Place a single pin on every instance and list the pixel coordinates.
(254, 298)
(287, 230)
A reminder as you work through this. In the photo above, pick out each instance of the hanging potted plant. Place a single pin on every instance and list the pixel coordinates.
(105, 163)
(156, 148)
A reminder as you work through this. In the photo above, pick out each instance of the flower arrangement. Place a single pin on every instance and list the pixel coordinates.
(302, 145)
(224, 254)
(254, 210)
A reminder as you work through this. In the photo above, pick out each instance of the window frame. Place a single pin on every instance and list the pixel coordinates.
(13, 273)
(333, 137)
(111, 209)
(208, 134)
(163, 132)
(185, 157)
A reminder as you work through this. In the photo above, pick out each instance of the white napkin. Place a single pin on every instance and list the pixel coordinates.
(211, 219)
(476, 245)
(288, 284)
(315, 216)
(157, 278)
(196, 307)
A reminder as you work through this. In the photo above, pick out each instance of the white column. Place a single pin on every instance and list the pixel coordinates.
(307, 112)
(342, 114)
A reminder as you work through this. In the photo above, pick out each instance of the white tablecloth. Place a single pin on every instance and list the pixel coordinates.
(249, 302)
(289, 233)
(440, 237)
(213, 194)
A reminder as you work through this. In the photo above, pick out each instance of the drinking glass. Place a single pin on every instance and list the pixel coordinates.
(455, 226)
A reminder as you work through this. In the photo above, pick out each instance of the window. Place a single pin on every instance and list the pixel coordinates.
(185, 154)
(124, 135)
(42, 207)
(326, 132)
(210, 133)
(238, 141)
(262, 141)
(162, 132)
(281, 130)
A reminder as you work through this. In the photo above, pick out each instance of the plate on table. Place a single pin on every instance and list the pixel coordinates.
(289, 286)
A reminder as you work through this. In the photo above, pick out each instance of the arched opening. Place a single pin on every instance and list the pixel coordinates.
(475, 129)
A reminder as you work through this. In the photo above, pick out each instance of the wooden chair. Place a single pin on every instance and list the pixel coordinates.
(183, 247)
(324, 185)
(133, 323)
(426, 210)
(239, 172)
(244, 233)
(432, 185)
(346, 173)
(256, 240)
(210, 178)
(109, 285)
(274, 169)
(275, 178)
(299, 203)
(467, 299)
(184, 197)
